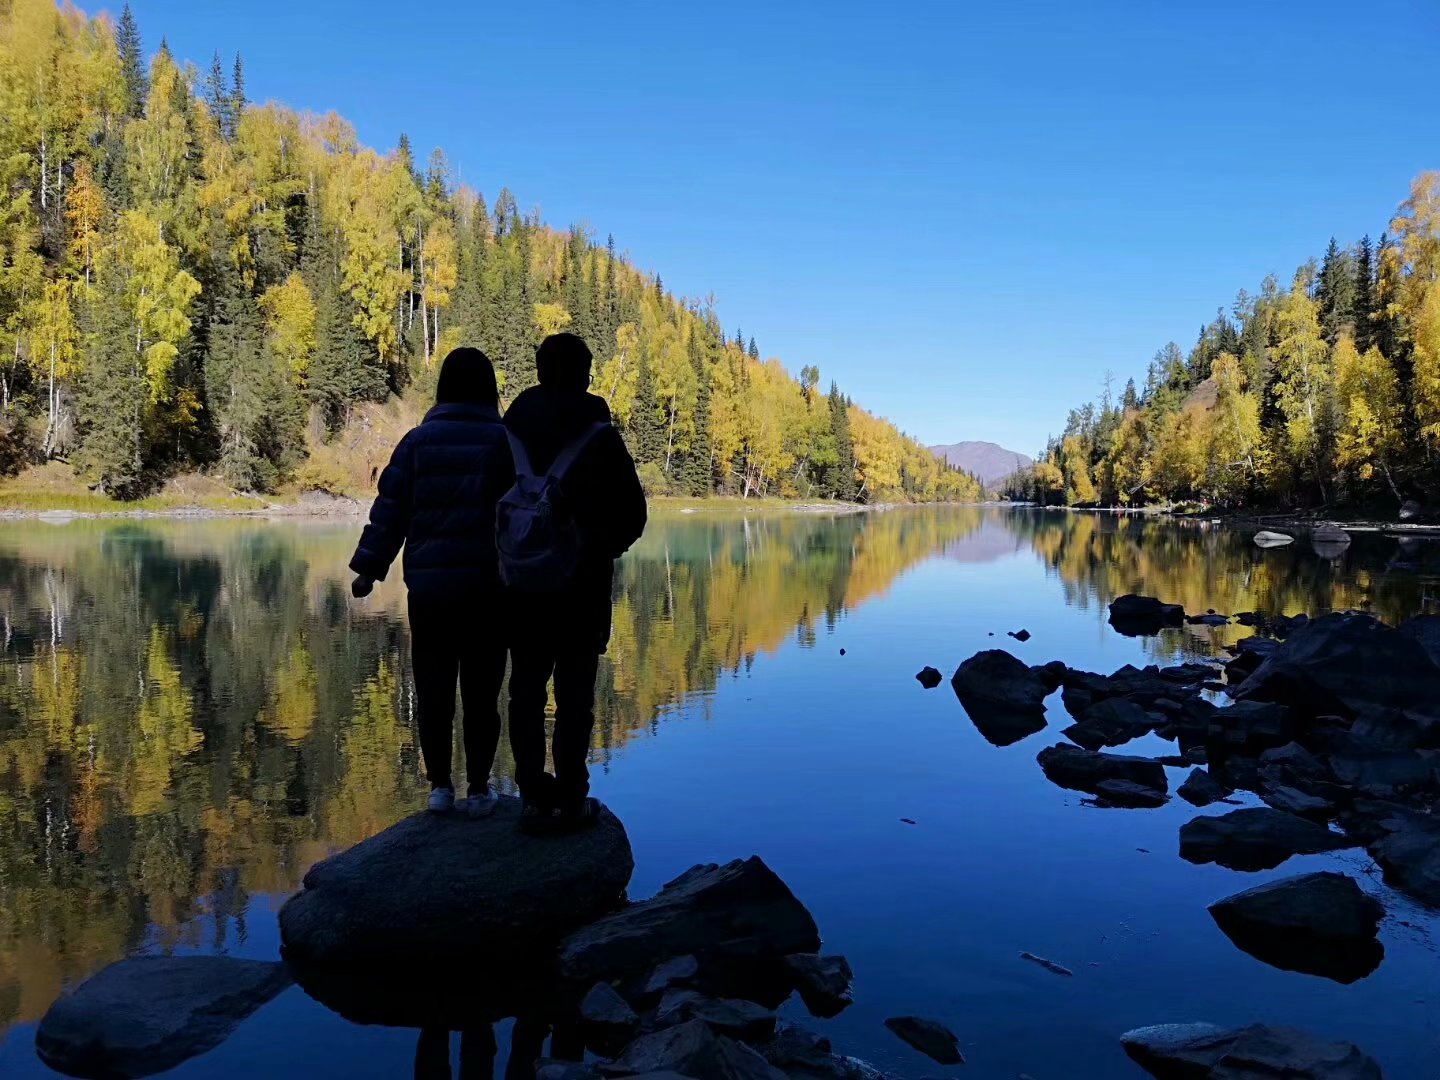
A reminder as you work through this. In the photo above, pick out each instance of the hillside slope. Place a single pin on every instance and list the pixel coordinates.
(987, 461)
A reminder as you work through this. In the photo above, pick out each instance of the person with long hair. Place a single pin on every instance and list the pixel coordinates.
(437, 499)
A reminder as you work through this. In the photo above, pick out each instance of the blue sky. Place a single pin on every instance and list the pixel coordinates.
(964, 213)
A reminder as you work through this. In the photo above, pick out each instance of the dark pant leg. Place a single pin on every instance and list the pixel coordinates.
(482, 670)
(435, 661)
(575, 670)
(531, 661)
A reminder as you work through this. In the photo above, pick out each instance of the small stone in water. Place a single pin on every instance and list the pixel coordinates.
(1048, 965)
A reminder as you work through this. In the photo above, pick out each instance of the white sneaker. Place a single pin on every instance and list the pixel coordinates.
(478, 806)
(442, 800)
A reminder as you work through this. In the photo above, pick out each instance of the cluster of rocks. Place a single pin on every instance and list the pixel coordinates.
(1207, 1052)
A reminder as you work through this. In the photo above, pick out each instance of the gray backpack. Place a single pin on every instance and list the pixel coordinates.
(536, 536)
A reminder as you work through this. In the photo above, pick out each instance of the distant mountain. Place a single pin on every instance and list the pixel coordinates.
(985, 460)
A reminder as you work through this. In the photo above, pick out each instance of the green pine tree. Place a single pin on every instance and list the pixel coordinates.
(646, 433)
(132, 64)
(1364, 295)
(841, 481)
(111, 394)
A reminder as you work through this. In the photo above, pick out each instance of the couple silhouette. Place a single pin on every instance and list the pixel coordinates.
(510, 528)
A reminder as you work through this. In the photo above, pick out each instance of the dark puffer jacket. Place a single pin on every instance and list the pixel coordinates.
(437, 497)
(605, 496)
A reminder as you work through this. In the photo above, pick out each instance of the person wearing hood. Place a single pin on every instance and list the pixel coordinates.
(562, 436)
(437, 499)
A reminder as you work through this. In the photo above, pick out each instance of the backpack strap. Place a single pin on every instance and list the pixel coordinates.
(520, 457)
(568, 453)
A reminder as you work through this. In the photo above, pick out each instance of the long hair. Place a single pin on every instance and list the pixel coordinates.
(467, 376)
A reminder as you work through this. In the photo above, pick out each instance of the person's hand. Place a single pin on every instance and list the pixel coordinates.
(361, 586)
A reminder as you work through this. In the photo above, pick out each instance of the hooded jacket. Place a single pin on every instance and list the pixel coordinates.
(600, 488)
(437, 498)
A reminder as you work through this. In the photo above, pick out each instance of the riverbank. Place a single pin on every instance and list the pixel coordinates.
(1295, 520)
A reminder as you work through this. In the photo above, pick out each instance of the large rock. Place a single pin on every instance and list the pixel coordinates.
(1256, 838)
(1084, 770)
(694, 1050)
(1003, 697)
(1140, 616)
(1249, 728)
(1207, 1052)
(1342, 665)
(740, 912)
(1111, 722)
(1321, 924)
(147, 1014)
(736, 1017)
(929, 677)
(1202, 789)
(825, 983)
(607, 1020)
(454, 891)
(1409, 856)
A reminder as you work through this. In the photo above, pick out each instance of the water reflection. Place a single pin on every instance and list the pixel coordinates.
(191, 714)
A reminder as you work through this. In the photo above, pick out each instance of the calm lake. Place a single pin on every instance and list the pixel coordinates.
(192, 713)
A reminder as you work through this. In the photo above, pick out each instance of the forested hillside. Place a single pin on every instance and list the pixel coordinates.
(189, 280)
(1321, 392)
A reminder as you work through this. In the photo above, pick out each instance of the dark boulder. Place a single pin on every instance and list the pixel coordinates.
(451, 890)
(1003, 697)
(1112, 722)
(1329, 541)
(930, 1037)
(1395, 729)
(1341, 665)
(1210, 619)
(1141, 616)
(694, 1050)
(1320, 924)
(1409, 855)
(1202, 789)
(825, 983)
(1051, 674)
(607, 1020)
(740, 1019)
(1382, 774)
(1201, 1051)
(1188, 674)
(1293, 801)
(1129, 795)
(1143, 686)
(1255, 839)
(677, 971)
(1249, 728)
(739, 916)
(1021, 636)
(929, 677)
(147, 1014)
(1084, 770)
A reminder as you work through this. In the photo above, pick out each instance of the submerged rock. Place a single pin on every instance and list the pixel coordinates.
(1003, 697)
(929, 677)
(1129, 795)
(1142, 616)
(1084, 770)
(930, 1037)
(147, 1014)
(1255, 839)
(1320, 924)
(446, 889)
(740, 912)
(1201, 1051)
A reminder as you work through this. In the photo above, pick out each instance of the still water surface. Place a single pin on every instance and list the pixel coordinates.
(191, 713)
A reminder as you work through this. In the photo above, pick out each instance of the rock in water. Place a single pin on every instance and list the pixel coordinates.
(1266, 539)
(1255, 839)
(1320, 924)
(825, 983)
(147, 1014)
(1129, 795)
(1410, 859)
(454, 891)
(1198, 1051)
(930, 1037)
(741, 910)
(1329, 541)
(929, 677)
(804, 1055)
(1143, 616)
(1003, 697)
(1202, 789)
(693, 1050)
(1342, 665)
(1083, 770)
(1111, 722)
